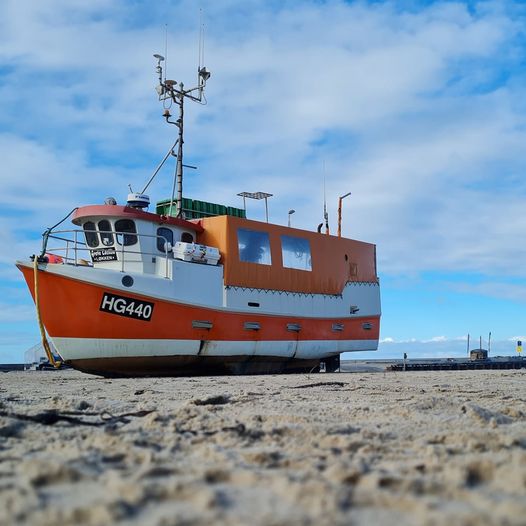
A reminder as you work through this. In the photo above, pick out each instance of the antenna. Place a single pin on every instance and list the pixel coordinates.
(489, 342)
(201, 57)
(165, 49)
(203, 45)
(176, 93)
(468, 343)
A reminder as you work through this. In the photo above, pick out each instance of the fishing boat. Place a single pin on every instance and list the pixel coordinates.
(198, 288)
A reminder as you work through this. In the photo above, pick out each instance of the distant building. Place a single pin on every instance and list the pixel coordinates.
(478, 354)
(36, 356)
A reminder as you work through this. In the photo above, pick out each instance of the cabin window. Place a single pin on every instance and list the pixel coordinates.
(254, 246)
(296, 253)
(164, 235)
(106, 235)
(91, 236)
(125, 230)
(186, 237)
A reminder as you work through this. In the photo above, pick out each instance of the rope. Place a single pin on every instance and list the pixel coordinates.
(45, 342)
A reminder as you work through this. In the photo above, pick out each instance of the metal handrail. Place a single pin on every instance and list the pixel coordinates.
(81, 246)
(48, 231)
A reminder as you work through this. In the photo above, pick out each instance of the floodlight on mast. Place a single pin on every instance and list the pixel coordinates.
(159, 68)
(292, 211)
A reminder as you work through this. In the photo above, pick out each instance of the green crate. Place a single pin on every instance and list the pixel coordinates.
(195, 209)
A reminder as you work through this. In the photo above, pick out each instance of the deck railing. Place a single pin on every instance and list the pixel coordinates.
(70, 245)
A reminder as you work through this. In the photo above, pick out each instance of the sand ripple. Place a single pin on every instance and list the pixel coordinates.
(411, 448)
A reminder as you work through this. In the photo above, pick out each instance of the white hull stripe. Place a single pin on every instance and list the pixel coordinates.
(366, 296)
(92, 348)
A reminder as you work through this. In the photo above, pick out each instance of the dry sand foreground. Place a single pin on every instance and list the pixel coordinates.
(385, 448)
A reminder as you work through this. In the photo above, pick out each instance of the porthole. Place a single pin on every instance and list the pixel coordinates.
(127, 281)
(186, 237)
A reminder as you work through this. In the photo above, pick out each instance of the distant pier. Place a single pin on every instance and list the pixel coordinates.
(458, 365)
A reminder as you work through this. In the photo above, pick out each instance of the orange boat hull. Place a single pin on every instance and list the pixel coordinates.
(169, 343)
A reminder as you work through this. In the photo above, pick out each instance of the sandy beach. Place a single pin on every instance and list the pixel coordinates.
(365, 448)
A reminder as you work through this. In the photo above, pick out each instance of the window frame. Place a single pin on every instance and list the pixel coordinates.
(129, 237)
(91, 235)
(306, 254)
(161, 236)
(267, 250)
(106, 233)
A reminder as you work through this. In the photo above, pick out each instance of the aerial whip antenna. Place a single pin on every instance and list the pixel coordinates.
(165, 49)
(201, 57)
(203, 45)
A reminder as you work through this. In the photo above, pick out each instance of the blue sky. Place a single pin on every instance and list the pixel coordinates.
(417, 108)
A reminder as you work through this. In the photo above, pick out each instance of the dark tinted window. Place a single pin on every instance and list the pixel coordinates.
(254, 246)
(91, 236)
(125, 228)
(186, 237)
(106, 236)
(167, 235)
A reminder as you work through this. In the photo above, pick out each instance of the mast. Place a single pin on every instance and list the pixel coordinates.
(325, 213)
(170, 90)
(340, 212)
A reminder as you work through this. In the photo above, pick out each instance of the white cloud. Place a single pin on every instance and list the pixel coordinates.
(436, 339)
(495, 289)
(434, 348)
(40, 185)
(16, 313)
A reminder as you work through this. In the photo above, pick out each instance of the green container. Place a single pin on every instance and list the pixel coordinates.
(195, 209)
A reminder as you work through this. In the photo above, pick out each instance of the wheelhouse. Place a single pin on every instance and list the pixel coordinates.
(118, 237)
